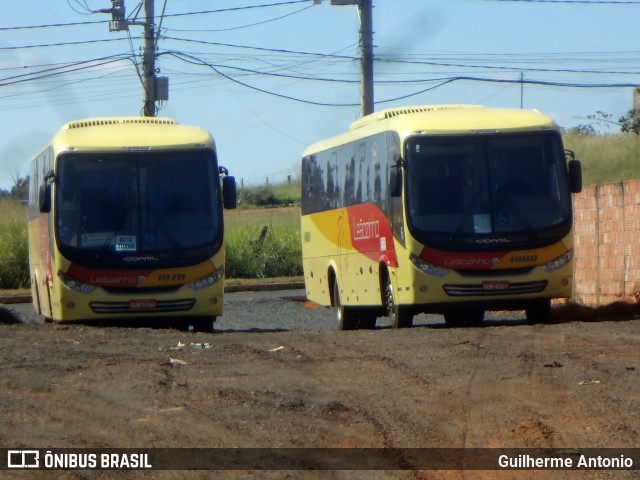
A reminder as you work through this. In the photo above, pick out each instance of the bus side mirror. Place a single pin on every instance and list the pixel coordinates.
(44, 198)
(575, 176)
(395, 180)
(229, 194)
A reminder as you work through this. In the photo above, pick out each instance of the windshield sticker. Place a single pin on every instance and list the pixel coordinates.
(482, 223)
(126, 243)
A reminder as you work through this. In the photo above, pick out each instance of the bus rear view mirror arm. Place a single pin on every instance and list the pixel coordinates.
(575, 176)
(395, 179)
(575, 171)
(44, 193)
(229, 192)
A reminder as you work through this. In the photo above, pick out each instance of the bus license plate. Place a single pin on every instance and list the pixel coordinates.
(142, 304)
(495, 285)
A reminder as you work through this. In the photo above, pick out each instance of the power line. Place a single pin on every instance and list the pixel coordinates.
(233, 9)
(499, 67)
(52, 25)
(242, 26)
(197, 61)
(443, 81)
(55, 71)
(62, 44)
(83, 6)
(202, 12)
(581, 2)
(264, 49)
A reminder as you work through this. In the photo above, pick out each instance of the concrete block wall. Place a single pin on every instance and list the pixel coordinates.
(607, 243)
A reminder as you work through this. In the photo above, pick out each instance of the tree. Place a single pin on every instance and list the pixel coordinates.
(583, 130)
(630, 122)
(20, 189)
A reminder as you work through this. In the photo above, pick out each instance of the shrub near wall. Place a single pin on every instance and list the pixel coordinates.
(14, 255)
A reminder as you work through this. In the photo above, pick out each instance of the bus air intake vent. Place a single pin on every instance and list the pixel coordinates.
(478, 290)
(395, 112)
(99, 122)
(159, 306)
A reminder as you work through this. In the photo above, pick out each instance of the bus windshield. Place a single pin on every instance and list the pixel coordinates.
(115, 207)
(464, 190)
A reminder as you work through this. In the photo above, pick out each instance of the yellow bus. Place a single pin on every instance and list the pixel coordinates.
(451, 209)
(125, 221)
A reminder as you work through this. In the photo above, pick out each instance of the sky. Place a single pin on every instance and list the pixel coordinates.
(269, 77)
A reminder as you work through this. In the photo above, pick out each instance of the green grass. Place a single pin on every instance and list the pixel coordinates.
(14, 256)
(606, 158)
(279, 195)
(263, 243)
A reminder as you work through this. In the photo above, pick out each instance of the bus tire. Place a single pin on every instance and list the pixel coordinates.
(401, 316)
(204, 324)
(464, 318)
(347, 317)
(539, 311)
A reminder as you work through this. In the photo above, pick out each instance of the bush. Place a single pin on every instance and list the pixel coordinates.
(258, 196)
(14, 255)
(277, 195)
(250, 254)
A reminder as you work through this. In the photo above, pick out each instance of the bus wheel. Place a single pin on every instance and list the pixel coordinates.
(347, 317)
(401, 316)
(539, 311)
(203, 324)
(464, 318)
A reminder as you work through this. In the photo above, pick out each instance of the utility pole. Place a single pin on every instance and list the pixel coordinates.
(155, 88)
(365, 11)
(149, 60)
(366, 44)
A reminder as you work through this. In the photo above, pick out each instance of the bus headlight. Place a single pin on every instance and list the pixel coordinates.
(207, 281)
(74, 284)
(428, 268)
(559, 262)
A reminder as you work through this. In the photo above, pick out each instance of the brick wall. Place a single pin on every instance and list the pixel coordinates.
(607, 248)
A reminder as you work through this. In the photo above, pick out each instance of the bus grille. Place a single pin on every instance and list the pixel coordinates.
(477, 290)
(160, 306)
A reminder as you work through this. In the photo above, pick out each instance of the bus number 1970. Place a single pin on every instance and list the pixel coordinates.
(171, 277)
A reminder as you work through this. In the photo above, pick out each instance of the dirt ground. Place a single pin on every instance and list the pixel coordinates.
(571, 384)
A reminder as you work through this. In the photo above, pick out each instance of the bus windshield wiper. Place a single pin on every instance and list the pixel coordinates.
(522, 218)
(176, 247)
(467, 213)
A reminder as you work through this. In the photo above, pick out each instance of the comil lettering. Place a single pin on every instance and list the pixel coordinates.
(364, 230)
